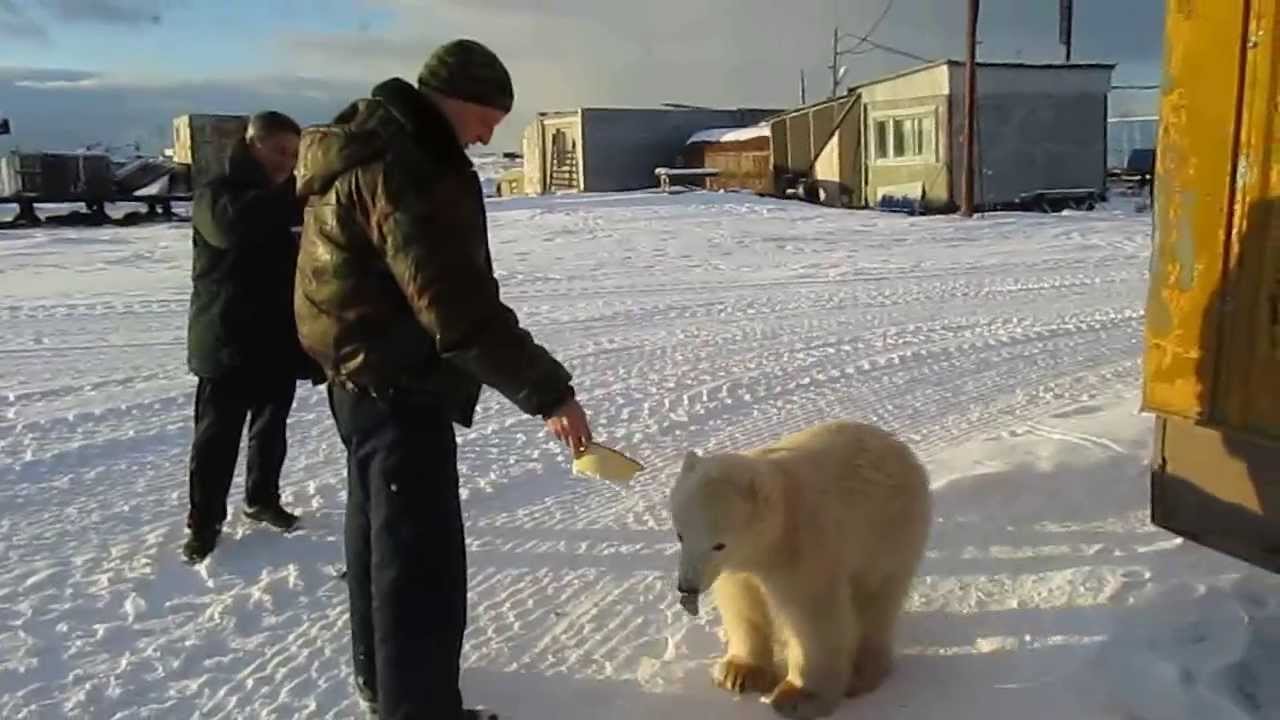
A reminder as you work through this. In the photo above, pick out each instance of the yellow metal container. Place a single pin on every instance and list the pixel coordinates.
(1212, 356)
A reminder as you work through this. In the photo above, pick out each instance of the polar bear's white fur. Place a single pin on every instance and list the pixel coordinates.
(810, 546)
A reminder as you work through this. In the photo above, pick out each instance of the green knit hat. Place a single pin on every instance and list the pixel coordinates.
(466, 70)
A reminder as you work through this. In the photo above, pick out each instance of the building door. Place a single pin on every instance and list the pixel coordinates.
(563, 160)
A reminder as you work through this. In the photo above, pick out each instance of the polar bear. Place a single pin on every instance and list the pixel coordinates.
(810, 546)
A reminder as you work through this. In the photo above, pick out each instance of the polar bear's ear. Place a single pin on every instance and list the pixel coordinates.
(690, 459)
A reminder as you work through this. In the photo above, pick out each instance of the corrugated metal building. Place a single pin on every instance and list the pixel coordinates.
(614, 149)
(898, 140)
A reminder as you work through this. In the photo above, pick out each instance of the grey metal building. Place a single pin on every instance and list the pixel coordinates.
(614, 149)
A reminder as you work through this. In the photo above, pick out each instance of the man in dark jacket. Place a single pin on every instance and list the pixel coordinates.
(396, 299)
(242, 340)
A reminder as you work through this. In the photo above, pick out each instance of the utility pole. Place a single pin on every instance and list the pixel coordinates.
(970, 109)
(803, 101)
(1066, 18)
(835, 60)
(837, 71)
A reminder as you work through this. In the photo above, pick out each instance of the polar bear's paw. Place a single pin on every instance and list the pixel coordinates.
(870, 669)
(740, 676)
(796, 703)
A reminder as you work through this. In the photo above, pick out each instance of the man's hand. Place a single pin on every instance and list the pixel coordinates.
(569, 424)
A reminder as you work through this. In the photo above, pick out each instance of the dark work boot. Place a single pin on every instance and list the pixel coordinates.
(367, 698)
(200, 542)
(273, 515)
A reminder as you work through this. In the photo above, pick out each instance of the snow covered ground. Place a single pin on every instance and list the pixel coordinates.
(1005, 349)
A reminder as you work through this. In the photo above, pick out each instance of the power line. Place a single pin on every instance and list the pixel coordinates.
(896, 51)
(864, 39)
(874, 26)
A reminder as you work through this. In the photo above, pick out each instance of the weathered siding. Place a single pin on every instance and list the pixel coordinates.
(803, 140)
(934, 177)
(743, 164)
(837, 170)
(932, 81)
(799, 142)
(822, 123)
(851, 154)
(778, 152)
(531, 148)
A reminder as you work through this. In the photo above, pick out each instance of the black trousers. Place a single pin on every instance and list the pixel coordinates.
(222, 405)
(405, 551)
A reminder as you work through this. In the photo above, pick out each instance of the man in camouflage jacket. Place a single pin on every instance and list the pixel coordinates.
(395, 297)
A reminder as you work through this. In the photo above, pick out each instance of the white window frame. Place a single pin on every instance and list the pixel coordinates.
(929, 156)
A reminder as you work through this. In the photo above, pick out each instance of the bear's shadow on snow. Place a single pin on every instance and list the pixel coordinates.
(1035, 562)
(527, 695)
(991, 685)
(1025, 517)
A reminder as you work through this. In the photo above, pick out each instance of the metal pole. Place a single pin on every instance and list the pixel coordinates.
(802, 92)
(970, 110)
(1066, 19)
(835, 59)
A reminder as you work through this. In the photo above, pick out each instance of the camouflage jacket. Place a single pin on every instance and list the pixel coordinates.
(395, 292)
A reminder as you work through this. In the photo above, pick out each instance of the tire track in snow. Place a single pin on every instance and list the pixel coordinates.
(718, 324)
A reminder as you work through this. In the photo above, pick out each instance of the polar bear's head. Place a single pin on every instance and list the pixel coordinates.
(715, 508)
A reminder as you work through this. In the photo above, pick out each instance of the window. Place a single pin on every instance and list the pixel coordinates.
(882, 138)
(905, 138)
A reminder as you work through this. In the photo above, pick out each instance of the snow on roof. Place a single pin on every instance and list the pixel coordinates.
(733, 134)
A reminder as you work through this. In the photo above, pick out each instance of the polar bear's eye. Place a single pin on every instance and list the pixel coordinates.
(679, 537)
(717, 547)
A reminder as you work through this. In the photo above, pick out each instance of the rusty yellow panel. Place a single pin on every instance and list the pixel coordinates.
(1247, 387)
(1199, 113)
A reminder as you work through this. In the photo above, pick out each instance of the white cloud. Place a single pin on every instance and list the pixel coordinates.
(16, 24)
(116, 12)
(566, 53)
(56, 109)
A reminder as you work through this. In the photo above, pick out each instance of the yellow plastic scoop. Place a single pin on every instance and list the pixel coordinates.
(605, 463)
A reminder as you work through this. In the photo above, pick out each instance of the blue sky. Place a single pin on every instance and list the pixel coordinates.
(74, 72)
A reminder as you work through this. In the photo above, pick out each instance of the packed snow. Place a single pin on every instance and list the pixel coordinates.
(1004, 349)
